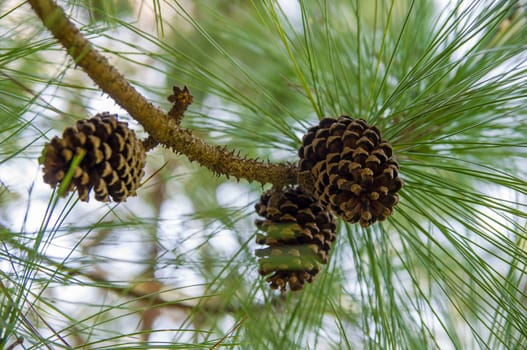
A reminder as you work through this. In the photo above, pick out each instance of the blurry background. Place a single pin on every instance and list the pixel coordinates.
(174, 267)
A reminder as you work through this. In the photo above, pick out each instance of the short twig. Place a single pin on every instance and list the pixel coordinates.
(181, 99)
(18, 341)
(232, 330)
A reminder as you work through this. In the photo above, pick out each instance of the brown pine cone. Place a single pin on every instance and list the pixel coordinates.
(112, 162)
(298, 231)
(353, 169)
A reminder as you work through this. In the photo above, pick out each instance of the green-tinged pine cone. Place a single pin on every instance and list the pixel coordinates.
(353, 170)
(113, 161)
(298, 232)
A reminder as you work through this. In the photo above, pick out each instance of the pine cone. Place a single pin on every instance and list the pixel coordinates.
(299, 232)
(112, 164)
(353, 169)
